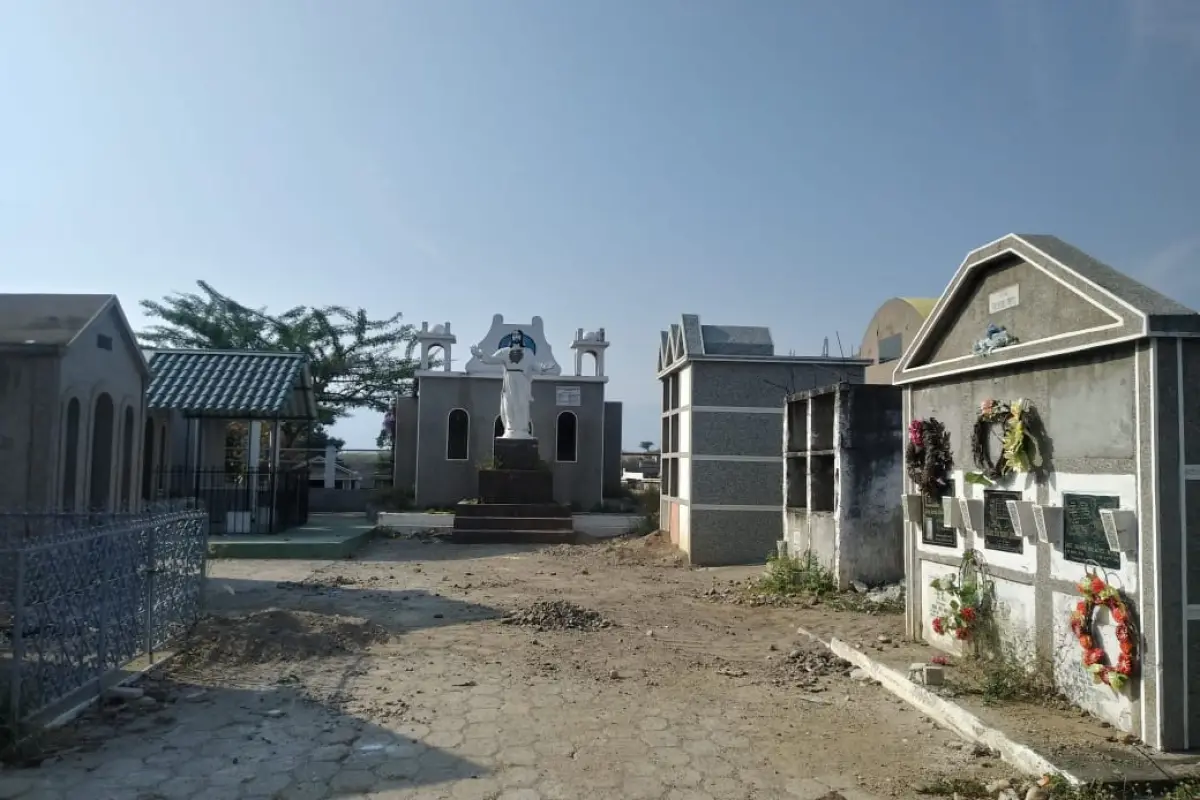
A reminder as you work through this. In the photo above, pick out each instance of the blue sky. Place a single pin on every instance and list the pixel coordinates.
(596, 162)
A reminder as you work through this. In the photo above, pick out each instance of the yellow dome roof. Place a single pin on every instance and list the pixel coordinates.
(923, 305)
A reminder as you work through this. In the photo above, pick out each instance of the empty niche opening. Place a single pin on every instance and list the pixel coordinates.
(666, 391)
(458, 435)
(566, 437)
(822, 480)
(821, 433)
(675, 433)
(675, 477)
(797, 475)
(666, 435)
(797, 422)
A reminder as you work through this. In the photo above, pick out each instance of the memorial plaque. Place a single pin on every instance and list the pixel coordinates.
(998, 530)
(934, 529)
(1083, 532)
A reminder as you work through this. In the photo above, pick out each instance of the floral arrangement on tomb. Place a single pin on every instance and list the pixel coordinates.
(995, 337)
(967, 596)
(1097, 592)
(927, 456)
(1019, 451)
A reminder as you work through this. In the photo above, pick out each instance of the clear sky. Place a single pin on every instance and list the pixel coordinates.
(597, 162)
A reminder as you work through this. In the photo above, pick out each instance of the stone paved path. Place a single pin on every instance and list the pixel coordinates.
(458, 706)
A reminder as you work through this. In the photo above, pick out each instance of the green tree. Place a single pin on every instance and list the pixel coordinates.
(357, 363)
(646, 445)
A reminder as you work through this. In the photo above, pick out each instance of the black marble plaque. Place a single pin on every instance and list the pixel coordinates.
(934, 530)
(998, 530)
(1083, 532)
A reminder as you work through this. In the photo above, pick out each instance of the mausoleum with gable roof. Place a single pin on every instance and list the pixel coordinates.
(1103, 376)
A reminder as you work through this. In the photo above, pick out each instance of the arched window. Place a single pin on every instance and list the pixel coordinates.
(148, 461)
(70, 471)
(100, 485)
(125, 501)
(566, 437)
(458, 435)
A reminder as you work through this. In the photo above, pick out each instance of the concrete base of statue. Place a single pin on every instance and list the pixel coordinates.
(516, 501)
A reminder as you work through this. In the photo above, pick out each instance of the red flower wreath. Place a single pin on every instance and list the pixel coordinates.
(1096, 592)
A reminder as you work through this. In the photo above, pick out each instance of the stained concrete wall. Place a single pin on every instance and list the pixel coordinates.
(405, 443)
(441, 482)
(29, 432)
(861, 537)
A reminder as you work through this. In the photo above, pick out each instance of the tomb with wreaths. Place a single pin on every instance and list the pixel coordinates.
(1052, 468)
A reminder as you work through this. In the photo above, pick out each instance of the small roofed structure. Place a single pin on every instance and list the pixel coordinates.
(221, 417)
(72, 381)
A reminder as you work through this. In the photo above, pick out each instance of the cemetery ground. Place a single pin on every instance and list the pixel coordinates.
(422, 670)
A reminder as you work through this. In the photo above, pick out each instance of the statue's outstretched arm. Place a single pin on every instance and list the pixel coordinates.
(496, 358)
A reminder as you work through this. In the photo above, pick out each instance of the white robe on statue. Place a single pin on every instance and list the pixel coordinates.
(516, 393)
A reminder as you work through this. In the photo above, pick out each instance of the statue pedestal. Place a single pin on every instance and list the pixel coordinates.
(516, 501)
(517, 454)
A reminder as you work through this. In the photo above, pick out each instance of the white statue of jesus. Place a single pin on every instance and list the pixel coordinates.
(517, 392)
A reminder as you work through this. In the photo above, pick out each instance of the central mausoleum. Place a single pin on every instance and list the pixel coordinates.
(445, 430)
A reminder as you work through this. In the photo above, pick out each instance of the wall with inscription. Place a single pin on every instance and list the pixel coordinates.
(1083, 545)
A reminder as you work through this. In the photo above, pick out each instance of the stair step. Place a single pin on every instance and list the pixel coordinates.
(512, 510)
(514, 523)
(476, 536)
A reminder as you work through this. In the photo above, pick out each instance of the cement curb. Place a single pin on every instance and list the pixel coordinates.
(945, 713)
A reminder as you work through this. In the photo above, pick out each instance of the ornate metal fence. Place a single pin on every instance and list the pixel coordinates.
(82, 595)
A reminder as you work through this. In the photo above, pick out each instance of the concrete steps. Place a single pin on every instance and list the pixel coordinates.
(515, 523)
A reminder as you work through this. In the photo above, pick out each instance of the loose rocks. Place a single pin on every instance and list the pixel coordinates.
(557, 615)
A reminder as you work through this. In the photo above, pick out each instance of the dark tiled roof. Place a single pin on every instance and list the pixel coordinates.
(230, 383)
(51, 320)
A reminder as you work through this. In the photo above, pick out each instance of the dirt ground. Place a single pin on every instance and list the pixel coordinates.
(666, 640)
(607, 670)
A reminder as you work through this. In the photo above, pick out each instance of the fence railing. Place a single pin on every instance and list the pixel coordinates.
(82, 595)
(243, 501)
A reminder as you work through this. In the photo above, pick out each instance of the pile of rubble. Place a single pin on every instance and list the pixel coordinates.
(556, 615)
(805, 665)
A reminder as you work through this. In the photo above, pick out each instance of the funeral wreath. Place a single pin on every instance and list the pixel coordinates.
(1018, 447)
(1096, 592)
(927, 457)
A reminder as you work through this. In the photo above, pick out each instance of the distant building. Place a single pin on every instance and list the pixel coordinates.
(723, 393)
(890, 332)
(445, 431)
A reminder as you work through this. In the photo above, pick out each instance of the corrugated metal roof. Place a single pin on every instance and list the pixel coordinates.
(231, 383)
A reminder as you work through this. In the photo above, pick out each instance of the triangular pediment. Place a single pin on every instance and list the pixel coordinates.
(1044, 306)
